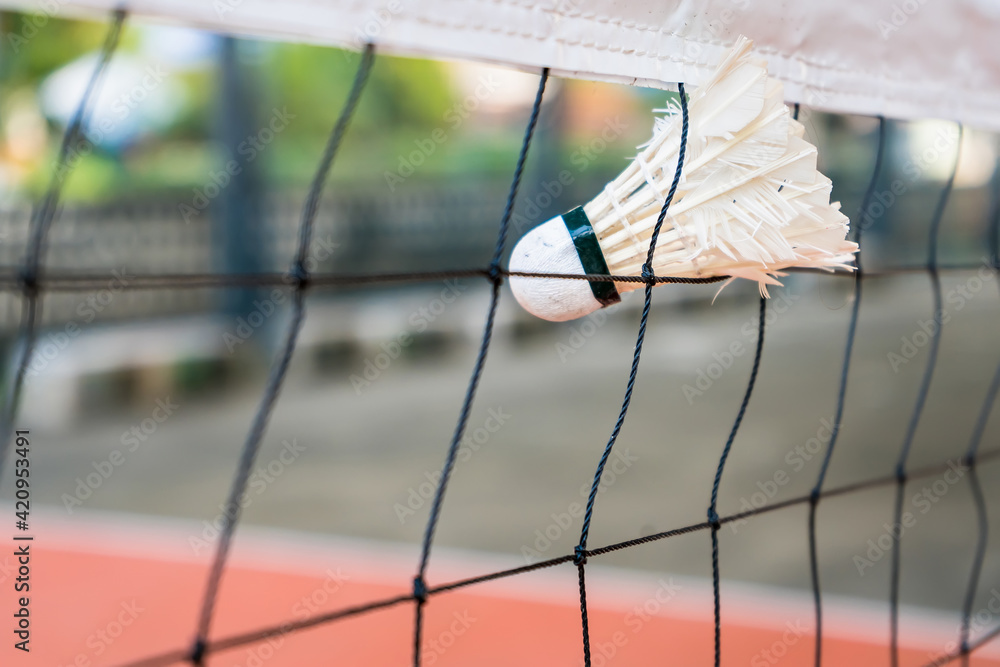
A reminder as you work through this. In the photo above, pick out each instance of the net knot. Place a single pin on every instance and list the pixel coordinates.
(814, 497)
(299, 275)
(29, 281)
(901, 474)
(969, 460)
(198, 651)
(495, 273)
(420, 589)
(648, 276)
(579, 555)
(713, 519)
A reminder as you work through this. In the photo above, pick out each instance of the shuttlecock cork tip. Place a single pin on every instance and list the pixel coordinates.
(550, 248)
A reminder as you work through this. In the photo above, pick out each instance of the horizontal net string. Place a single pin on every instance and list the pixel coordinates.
(261, 635)
(84, 282)
(952, 656)
(233, 641)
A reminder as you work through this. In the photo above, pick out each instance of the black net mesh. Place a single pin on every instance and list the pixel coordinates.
(34, 281)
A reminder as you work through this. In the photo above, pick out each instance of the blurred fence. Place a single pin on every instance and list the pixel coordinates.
(424, 229)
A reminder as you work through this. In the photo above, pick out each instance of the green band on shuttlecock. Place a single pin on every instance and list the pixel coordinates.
(589, 250)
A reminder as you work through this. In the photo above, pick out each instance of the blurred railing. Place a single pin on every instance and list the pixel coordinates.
(421, 230)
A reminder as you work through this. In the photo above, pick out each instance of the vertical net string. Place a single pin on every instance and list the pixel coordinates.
(41, 220)
(979, 501)
(647, 273)
(918, 408)
(496, 277)
(852, 330)
(280, 366)
(713, 516)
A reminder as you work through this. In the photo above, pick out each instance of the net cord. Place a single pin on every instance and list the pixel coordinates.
(580, 556)
(41, 220)
(979, 501)
(713, 515)
(918, 408)
(279, 368)
(496, 277)
(852, 330)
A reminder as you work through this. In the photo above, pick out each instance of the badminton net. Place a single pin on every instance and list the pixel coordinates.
(32, 280)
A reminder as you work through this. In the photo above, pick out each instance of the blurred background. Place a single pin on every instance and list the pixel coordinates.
(198, 156)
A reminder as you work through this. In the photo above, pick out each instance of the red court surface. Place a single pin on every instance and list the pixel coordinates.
(110, 589)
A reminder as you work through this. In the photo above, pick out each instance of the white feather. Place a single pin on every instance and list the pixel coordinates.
(749, 202)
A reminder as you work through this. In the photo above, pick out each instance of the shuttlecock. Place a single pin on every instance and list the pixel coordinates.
(750, 201)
